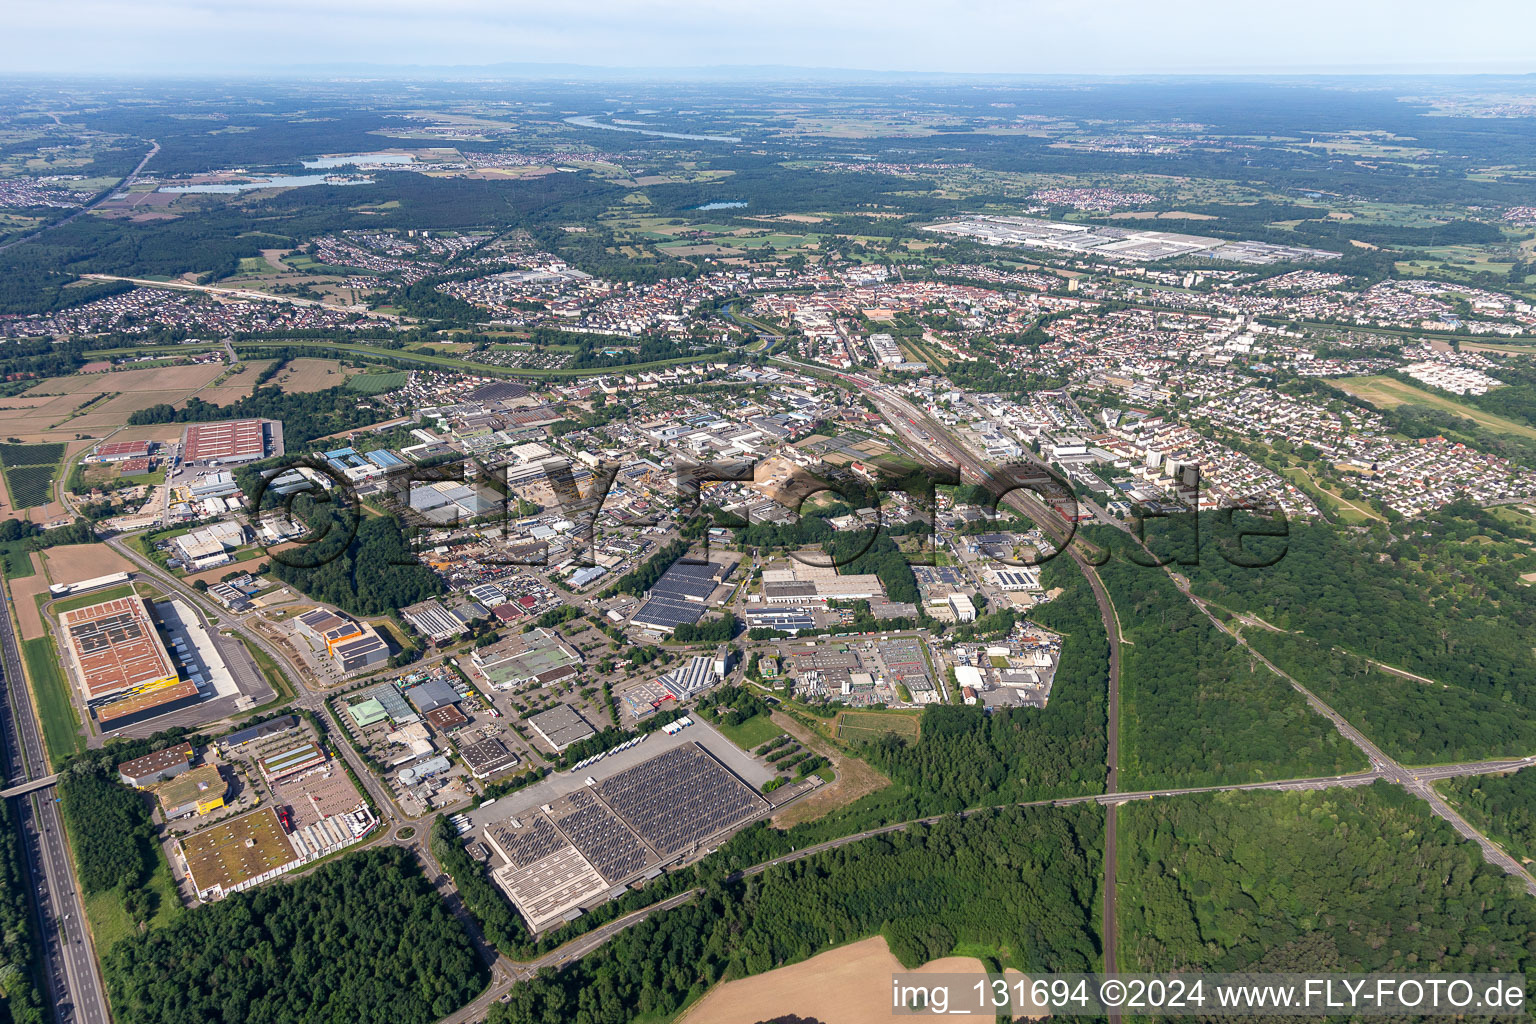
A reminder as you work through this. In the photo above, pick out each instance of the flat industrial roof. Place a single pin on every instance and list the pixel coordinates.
(159, 761)
(114, 647)
(237, 850)
(231, 439)
(137, 705)
(561, 726)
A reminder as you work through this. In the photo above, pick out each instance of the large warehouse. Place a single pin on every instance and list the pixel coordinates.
(120, 663)
(227, 441)
(587, 845)
(115, 650)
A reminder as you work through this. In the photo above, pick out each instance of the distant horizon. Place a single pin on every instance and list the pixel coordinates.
(657, 38)
(549, 71)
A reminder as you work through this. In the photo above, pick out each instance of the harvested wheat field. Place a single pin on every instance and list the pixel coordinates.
(24, 596)
(160, 378)
(847, 985)
(222, 395)
(302, 376)
(245, 378)
(71, 563)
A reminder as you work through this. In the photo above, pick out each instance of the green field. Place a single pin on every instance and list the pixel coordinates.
(754, 732)
(111, 923)
(29, 472)
(866, 726)
(377, 383)
(69, 604)
(1388, 393)
(61, 728)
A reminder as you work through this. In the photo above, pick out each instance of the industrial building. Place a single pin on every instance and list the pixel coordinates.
(488, 757)
(431, 619)
(804, 579)
(538, 656)
(208, 547)
(122, 451)
(197, 791)
(143, 772)
(120, 663)
(681, 595)
(230, 441)
(353, 646)
(561, 726)
(699, 674)
(586, 846)
(300, 757)
(237, 854)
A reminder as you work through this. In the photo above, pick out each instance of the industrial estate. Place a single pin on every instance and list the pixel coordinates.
(560, 546)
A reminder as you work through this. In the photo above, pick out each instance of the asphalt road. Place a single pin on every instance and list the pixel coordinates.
(101, 197)
(74, 986)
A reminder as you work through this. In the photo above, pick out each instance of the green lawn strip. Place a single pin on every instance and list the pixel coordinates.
(61, 727)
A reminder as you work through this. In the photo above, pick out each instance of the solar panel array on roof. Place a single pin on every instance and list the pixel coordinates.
(498, 392)
(680, 798)
(536, 840)
(689, 581)
(663, 613)
(608, 846)
(114, 647)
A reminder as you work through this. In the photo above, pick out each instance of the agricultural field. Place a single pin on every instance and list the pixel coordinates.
(61, 726)
(1388, 393)
(30, 470)
(377, 383)
(302, 376)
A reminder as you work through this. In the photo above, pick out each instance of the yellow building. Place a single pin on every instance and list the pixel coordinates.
(199, 790)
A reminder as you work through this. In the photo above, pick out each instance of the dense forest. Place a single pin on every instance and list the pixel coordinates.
(1336, 880)
(1442, 598)
(1413, 721)
(1023, 882)
(1194, 708)
(362, 563)
(109, 827)
(1502, 806)
(365, 939)
(499, 921)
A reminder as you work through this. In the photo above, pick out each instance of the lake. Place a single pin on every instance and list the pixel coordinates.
(722, 204)
(282, 181)
(360, 159)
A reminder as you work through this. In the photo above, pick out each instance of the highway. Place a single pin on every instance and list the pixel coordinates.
(73, 983)
(250, 293)
(101, 197)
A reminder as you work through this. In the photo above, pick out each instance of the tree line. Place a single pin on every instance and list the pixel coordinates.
(1019, 880)
(364, 939)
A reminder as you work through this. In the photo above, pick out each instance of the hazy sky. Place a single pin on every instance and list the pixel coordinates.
(1022, 37)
